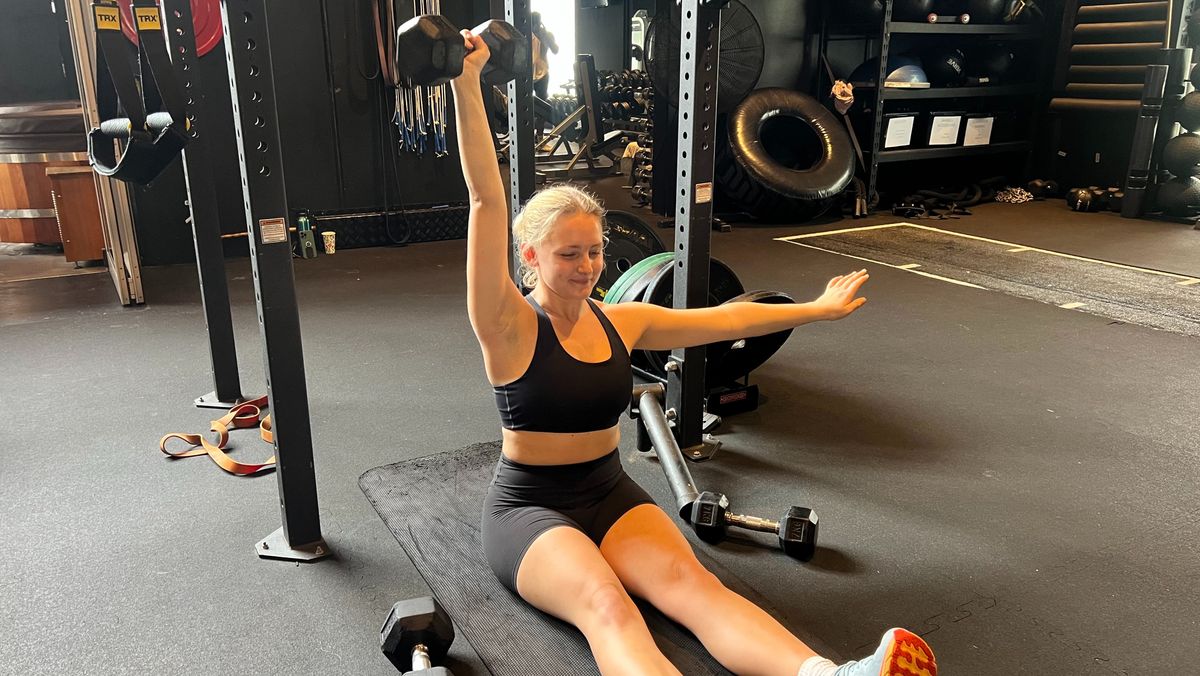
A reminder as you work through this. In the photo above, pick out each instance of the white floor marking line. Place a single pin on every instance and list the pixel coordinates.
(1071, 306)
(889, 265)
(1019, 249)
(1047, 251)
(52, 276)
(1188, 282)
(792, 238)
(1013, 246)
(909, 266)
(947, 279)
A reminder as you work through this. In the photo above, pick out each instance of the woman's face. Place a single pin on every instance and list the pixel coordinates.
(571, 258)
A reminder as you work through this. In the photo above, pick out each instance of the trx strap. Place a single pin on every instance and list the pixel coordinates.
(239, 417)
(151, 141)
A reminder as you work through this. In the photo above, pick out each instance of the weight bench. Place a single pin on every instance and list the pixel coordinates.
(433, 504)
(597, 147)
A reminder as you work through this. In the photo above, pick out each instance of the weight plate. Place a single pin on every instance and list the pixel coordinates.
(636, 290)
(617, 292)
(206, 23)
(630, 240)
(729, 361)
(723, 284)
(632, 286)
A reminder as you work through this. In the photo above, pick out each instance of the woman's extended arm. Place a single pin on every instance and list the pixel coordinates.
(492, 298)
(658, 328)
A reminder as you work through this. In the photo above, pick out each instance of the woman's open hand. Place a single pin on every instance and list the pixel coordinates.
(839, 298)
(477, 55)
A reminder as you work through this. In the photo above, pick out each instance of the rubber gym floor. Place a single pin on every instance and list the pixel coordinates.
(1012, 479)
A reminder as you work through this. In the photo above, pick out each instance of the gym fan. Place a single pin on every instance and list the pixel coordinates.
(741, 55)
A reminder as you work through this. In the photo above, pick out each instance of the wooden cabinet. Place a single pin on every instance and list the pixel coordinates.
(26, 208)
(73, 190)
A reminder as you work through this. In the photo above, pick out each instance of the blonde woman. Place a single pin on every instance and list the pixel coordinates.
(563, 526)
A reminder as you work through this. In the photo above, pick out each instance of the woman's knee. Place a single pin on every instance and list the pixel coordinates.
(609, 605)
(688, 574)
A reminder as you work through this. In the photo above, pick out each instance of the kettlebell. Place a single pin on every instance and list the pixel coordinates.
(1042, 188)
(1079, 199)
(1115, 198)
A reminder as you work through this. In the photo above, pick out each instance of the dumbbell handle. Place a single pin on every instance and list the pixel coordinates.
(420, 658)
(752, 523)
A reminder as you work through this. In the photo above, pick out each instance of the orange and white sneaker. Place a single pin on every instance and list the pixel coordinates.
(900, 653)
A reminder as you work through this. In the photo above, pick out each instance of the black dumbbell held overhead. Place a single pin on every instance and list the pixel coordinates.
(797, 530)
(417, 633)
(430, 50)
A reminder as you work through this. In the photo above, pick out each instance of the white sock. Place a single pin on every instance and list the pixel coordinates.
(817, 666)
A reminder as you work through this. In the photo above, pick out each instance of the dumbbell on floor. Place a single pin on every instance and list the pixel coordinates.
(430, 50)
(797, 530)
(417, 633)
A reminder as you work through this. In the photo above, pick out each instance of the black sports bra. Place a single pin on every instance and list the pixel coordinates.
(559, 393)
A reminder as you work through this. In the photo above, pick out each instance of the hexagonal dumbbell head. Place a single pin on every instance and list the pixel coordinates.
(509, 51)
(798, 533)
(429, 50)
(420, 621)
(708, 516)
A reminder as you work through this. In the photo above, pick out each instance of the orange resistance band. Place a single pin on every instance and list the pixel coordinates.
(239, 417)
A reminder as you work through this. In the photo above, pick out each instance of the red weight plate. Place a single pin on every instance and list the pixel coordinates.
(206, 22)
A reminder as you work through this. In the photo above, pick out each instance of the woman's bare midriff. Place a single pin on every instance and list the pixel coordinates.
(558, 448)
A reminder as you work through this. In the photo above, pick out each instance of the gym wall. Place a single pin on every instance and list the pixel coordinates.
(35, 48)
(339, 146)
(603, 32)
(337, 137)
(791, 53)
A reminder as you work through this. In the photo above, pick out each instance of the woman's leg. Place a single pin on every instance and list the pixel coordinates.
(563, 574)
(655, 562)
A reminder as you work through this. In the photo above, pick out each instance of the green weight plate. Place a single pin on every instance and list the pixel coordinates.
(616, 293)
(630, 240)
(637, 284)
(636, 290)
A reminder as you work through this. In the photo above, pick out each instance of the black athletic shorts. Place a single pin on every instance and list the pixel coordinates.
(524, 501)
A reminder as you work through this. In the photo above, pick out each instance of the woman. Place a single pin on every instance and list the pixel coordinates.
(543, 42)
(563, 525)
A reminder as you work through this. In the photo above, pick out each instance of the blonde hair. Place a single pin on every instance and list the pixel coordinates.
(533, 225)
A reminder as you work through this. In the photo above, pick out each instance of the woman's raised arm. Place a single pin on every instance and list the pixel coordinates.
(492, 298)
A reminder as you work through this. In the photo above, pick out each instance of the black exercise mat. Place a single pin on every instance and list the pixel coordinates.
(1136, 295)
(432, 505)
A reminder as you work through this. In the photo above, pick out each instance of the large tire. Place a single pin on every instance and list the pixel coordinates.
(825, 175)
(778, 179)
(738, 192)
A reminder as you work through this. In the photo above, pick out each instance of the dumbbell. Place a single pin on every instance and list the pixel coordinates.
(417, 633)
(797, 530)
(430, 50)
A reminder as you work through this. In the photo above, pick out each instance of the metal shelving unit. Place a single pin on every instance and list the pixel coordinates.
(896, 94)
(886, 156)
(1009, 31)
(872, 153)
